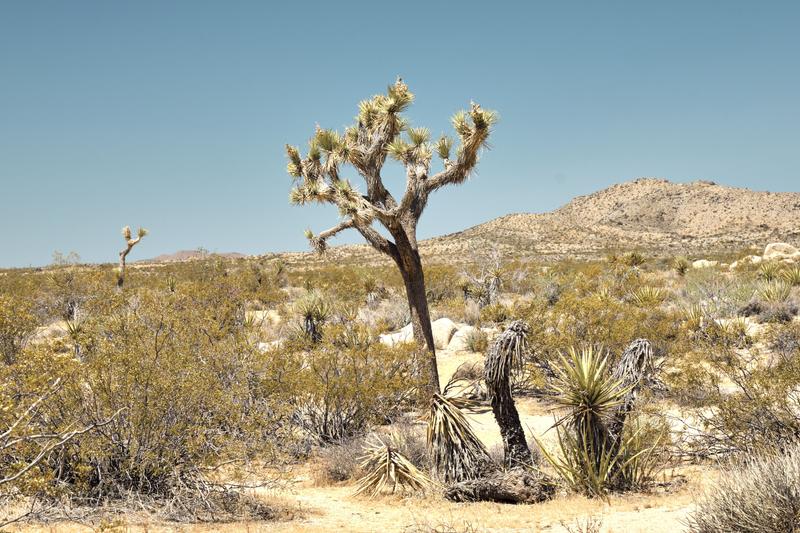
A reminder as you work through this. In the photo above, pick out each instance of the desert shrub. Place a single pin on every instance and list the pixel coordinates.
(17, 323)
(342, 389)
(263, 282)
(784, 340)
(495, 313)
(779, 312)
(633, 259)
(184, 390)
(751, 308)
(597, 319)
(760, 413)
(721, 295)
(760, 494)
(441, 282)
(410, 441)
(477, 341)
(314, 310)
(589, 524)
(340, 462)
(472, 312)
(390, 314)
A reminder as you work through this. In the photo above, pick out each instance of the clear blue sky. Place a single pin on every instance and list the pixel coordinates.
(173, 115)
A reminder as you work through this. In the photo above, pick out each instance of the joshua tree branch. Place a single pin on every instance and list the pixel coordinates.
(378, 241)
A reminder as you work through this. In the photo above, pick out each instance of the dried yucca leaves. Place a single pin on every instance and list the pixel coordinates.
(386, 469)
(456, 451)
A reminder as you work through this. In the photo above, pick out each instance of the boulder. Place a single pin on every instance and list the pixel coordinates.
(704, 263)
(748, 259)
(443, 330)
(459, 341)
(399, 337)
(780, 251)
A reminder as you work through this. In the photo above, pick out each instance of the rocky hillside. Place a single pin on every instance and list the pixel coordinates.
(648, 214)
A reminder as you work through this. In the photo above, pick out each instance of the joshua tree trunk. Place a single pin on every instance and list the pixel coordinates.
(410, 267)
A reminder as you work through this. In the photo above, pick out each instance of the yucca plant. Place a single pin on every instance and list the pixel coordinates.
(693, 318)
(769, 271)
(314, 312)
(457, 453)
(584, 387)
(648, 296)
(634, 259)
(774, 292)
(387, 468)
(791, 276)
(598, 450)
(681, 265)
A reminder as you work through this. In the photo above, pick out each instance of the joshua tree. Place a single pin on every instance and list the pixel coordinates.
(130, 242)
(378, 133)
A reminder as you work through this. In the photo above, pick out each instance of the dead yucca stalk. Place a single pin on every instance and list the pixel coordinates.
(386, 468)
(455, 450)
(506, 353)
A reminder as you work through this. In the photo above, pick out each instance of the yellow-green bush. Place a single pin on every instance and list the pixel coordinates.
(349, 382)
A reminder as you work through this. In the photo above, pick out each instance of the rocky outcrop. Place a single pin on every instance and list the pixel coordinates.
(778, 251)
(704, 263)
(459, 341)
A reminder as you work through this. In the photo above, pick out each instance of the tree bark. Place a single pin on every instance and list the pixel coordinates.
(410, 267)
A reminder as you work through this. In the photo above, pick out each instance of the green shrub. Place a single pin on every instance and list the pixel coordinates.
(495, 313)
(188, 387)
(17, 323)
(477, 341)
(594, 458)
(648, 296)
(634, 259)
(774, 292)
(342, 388)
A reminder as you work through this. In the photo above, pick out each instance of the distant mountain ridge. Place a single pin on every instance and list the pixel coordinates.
(189, 255)
(647, 213)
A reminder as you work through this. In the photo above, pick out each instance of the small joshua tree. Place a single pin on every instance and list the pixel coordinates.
(378, 134)
(130, 242)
